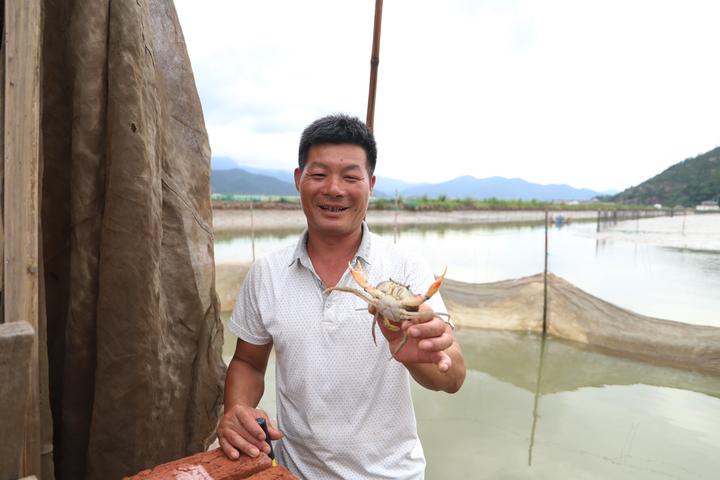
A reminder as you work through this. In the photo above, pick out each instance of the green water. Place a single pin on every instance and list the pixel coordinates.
(561, 410)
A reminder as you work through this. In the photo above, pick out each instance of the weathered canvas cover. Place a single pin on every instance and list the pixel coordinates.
(134, 335)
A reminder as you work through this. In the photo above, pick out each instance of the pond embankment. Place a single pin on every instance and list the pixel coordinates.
(572, 314)
(286, 219)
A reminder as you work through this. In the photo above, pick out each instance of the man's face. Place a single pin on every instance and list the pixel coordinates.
(335, 188)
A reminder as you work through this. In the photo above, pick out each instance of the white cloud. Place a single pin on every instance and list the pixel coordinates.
(594, 94)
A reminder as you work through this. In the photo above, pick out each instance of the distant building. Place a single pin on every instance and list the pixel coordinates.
(708, 206)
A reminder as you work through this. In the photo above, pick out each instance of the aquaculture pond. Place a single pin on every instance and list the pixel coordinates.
(533, 408)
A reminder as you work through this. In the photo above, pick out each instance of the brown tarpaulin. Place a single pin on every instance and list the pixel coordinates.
(134, 334)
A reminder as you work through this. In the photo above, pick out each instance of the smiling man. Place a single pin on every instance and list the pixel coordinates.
(344, 410)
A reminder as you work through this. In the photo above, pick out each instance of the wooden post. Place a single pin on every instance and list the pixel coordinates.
(374, 62)
(16, 339)
(545, 279)
(21, 195)
(252, 229)
(395, 223)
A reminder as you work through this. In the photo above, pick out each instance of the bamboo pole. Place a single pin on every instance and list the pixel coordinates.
(22, 31)
(374, 62)
(545, 279)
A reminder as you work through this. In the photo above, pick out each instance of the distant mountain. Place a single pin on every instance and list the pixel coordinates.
(500, 188)
(385, 186)
(239, 181)
(282, 175)
(259, 181)
(223, 163)
(686, 184)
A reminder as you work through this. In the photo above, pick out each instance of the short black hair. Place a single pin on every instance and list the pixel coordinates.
(338, 129)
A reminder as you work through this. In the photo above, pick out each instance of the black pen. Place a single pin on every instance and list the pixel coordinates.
(263, 425)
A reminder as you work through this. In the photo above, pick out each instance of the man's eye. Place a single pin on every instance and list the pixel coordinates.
(352, 179)
(317, 175)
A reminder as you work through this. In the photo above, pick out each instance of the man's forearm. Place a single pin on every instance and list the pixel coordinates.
(244, 385)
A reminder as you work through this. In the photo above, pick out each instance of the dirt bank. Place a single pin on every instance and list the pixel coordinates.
(244, 220)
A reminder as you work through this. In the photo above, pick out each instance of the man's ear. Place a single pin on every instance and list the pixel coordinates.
(372, 184)
(297, 179)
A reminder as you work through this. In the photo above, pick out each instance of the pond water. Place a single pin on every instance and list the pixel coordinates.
(533, 408)
(664, 267)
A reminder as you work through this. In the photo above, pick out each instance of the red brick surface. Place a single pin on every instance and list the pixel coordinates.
(212, 465)
(274, 473)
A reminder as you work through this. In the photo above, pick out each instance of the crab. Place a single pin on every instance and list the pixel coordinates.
(394, 302)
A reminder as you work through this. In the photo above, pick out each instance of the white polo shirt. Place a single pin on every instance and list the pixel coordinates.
(344, 406)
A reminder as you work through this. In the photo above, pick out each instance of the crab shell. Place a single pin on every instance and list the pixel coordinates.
(393, 302)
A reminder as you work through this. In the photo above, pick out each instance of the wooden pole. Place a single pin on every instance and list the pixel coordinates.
(22, 31)
(545, 279)
(374, 61)
(252, 229)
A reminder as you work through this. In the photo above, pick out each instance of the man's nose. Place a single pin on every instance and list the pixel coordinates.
(333, 185)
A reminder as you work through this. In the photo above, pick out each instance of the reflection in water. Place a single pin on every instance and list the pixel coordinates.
(591, 415)
(541, 362)
(514, 358)
(531, 409)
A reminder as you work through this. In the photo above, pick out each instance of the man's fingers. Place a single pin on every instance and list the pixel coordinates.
(239, 432)
(443, 361)
(244, 445)
(436, 343)
(229, 451)
(275, 434)
(434, 328)
(232, 443)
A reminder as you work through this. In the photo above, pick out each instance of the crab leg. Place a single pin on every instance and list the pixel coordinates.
(357, 292)
(362, 281)
(419, 299)
(435, 285)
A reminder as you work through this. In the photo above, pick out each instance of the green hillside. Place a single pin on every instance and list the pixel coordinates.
(684, 184)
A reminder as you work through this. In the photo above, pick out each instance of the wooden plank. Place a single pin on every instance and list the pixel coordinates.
(21, 194)
(16, 340)
(2, 175)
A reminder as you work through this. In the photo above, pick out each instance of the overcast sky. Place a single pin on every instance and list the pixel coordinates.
(596, 94)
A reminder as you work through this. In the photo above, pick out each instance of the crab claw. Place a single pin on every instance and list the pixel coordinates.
(358, 275)
(435, 285)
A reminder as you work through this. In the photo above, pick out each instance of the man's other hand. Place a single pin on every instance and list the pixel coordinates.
(239, 432)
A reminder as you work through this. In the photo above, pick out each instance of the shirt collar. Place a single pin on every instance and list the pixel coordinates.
(300, 254)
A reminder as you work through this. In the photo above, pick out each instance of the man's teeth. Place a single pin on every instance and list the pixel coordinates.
(334, 209)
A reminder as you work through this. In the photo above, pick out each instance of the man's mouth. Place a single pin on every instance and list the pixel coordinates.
(330, 208)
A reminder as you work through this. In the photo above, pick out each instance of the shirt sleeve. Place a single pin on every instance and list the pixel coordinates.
(246, 321)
